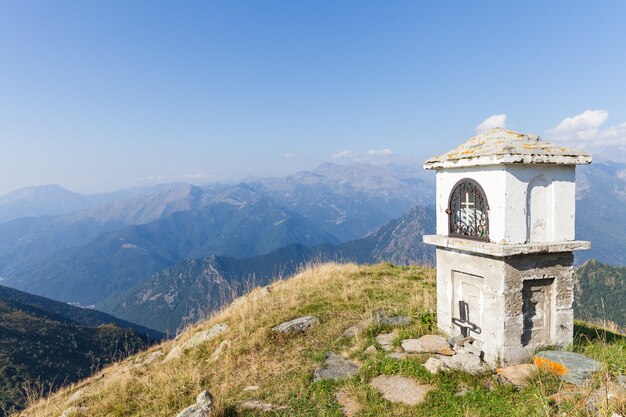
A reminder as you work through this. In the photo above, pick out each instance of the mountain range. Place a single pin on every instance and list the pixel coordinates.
(88, 255)
(97, 254)
(178, 296)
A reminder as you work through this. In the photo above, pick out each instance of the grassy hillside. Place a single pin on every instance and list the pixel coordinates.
(601, 293)
(84, 316)
(282, 368)
(41, 350)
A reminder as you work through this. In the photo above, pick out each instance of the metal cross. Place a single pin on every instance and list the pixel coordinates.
(467, 203)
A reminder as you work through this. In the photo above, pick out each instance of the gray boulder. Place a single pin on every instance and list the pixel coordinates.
(335, 367)
(295, 326)
(572, 367)
(203, 405)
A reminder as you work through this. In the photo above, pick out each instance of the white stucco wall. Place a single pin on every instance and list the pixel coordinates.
(493, 181)
(506, 188)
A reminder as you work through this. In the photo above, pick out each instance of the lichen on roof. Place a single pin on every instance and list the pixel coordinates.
(501, 146)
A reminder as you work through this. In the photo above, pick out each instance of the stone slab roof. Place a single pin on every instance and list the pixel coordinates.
(500, 146)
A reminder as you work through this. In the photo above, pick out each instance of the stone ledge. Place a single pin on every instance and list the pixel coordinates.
(502, 250)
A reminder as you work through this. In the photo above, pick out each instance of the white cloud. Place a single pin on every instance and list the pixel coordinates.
(289, 155)
(380, 152)
(342, 154)
(585, 130)
(495, 120)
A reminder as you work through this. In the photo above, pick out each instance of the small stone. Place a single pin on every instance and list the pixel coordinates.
(259, 405)
(461, 340)
(74, 412)
(251, 388)
(146, 360)
(465, 362)
(566, 393)
(572, 367)
(397, 355)
(517, 375)
(299, 325)
(174, 353)
(428, 344)
(433, 365)
(399, 389)
(76, 396)
(381, 318)
(204, 404)
(335, 367)
(205, 336)
(348, 404)
(225, 344)
(385, 340)
(462, 392)
(468, 348)
(356, 330)
(371, 350)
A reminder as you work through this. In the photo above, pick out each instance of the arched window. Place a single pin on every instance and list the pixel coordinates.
(467, 211)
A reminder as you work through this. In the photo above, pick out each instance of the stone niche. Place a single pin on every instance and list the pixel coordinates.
(511, 305)
(505, 207)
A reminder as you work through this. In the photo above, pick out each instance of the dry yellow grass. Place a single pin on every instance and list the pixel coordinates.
(339, 295)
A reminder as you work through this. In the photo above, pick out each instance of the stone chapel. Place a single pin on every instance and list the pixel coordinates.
(505, 204)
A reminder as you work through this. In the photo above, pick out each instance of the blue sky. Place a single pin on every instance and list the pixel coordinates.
(100, 95)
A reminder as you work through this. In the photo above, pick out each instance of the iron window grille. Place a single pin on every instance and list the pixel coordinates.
(467, 211)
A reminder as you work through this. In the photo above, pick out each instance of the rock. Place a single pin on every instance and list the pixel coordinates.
(335, 367)
(174, 353)
(461, 340)
(148, 359)
(381, 318)
(433, 365)
(517, 375)
(251, 388)
(205, 336)
(76, 396)
(465, 362)
(203, 405)
(468, 348)
(259, 405)
(566, 393)
(74, 412)
(401, 389)
(225, 344)
(397, 355)
(572, 367)
(349, 406)
(299, 325)
(428, 344)
(609, 391)
(371, 350)
(196, 340)
(385, 340)
(462, 392)
(357, 329)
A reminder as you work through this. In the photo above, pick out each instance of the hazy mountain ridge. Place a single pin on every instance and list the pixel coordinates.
(600, 206)
(53, 199)
(118, 260)
(171, 299)
(348, 201)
